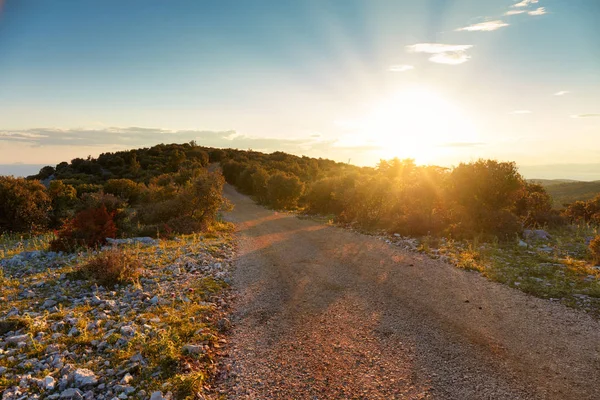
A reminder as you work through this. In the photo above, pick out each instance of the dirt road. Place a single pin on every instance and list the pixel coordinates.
(324, 313)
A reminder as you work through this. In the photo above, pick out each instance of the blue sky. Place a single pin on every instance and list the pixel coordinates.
(331, 78)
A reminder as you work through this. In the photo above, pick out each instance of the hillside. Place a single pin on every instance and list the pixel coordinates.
(566, 192)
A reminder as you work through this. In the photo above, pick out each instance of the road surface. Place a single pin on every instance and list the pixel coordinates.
(325, 313)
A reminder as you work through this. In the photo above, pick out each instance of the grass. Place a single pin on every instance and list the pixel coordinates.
(560, 268)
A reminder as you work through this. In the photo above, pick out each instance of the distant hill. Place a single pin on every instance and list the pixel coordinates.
(565, 191)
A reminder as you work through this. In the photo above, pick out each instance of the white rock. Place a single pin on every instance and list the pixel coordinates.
(127, 378)
(157, 396)
(48, 383)
(84, 377)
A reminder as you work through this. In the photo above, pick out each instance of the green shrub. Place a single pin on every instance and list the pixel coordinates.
(64, 201)
(24, 205)
(125, 189)
(284, 190)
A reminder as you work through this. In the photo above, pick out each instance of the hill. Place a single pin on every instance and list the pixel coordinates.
(566, 192)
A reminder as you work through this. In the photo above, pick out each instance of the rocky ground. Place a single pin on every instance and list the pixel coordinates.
(66, 338)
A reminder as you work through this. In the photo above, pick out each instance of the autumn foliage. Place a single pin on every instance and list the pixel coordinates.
(89, 228)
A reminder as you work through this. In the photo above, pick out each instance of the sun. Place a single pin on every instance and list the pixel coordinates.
(416, 123)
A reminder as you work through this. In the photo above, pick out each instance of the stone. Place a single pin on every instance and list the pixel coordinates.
(84, 377)
(193, 349)
(127, 330)
(49, 303)
(536, 234)
(48, 383)
(17, 339)
(522, 243)
(126, 379)
(157, 396)
(71, 393)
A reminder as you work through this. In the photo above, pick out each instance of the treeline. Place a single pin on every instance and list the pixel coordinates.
(485, 197)
(157, 191)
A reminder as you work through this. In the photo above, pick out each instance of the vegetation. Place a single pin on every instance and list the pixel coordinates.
(564, 193)
(113, 267)
(483, 198)
(162, 190)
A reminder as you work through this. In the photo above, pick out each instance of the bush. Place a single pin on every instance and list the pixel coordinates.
(485, 192)
(64, 199)
(194, 207)
(595, 249)
(284, 190)
(113, 267)
(89, 228)
(24, 205)
(125, 189)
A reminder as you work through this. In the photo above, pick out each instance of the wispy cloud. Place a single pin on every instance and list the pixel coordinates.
(400, 68)
(452, 54)
(562, 93)
(525, 3)
(539, 11)
(454, 58)
(517, 112)
(485, 26)
(585, 116)
(514, 12)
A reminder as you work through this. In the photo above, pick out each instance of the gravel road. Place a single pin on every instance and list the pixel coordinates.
(325, 313)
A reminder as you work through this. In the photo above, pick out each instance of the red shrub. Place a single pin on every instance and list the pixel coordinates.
(89, 228)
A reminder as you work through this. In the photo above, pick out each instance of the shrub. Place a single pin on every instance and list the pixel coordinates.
(125, 189)
(89, 228)
(485, 192)
(595, 249)
(24, 205)
(194, 207)
(64, 199)
(113, 267)
(284, 190)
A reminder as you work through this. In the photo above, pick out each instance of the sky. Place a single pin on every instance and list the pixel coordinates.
(441, 81)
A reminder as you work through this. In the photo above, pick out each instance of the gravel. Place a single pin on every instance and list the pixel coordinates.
(325, 313)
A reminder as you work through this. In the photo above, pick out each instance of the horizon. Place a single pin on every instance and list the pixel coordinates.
(437, 81)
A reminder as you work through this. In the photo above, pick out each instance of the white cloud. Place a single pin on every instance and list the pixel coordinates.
(452, 54)
(514, 12)
(451, 58)
(561, 93)
(434, 48)
(525, 3)
(521, 112)
(539, 11)
(485, 26)
(400, 68)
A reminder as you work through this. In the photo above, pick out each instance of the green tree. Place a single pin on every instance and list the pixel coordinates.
(24, 205)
